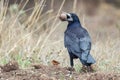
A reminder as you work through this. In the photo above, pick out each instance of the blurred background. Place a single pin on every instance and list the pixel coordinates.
(30, 31)
(93, 14)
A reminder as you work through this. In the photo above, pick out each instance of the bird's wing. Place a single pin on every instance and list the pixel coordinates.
(72, 43)
(70, 39)
(85, 43)
(77, 43)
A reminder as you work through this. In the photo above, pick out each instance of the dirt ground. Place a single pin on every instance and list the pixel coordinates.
(11, 71)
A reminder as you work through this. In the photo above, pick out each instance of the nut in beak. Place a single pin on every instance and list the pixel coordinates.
(63, 17)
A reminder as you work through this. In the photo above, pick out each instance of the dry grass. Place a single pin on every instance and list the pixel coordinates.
(25, 42)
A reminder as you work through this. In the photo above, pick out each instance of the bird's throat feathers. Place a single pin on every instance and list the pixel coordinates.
(74, 24)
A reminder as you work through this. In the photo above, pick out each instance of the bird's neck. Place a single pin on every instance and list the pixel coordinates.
(74, 24)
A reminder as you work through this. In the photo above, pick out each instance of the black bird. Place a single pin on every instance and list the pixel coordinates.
(77, 40)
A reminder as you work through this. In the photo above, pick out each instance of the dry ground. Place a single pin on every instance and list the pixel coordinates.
(11, 71)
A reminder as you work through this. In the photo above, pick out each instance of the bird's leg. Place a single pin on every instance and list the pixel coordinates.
(71, 70)
(72, 64)
(90, 68)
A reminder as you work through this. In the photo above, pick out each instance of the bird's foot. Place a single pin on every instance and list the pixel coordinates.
(70, 68)
(91, 68)
(87, 69)
(83, 69)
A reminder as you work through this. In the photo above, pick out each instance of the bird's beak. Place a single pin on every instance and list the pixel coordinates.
(63, 16)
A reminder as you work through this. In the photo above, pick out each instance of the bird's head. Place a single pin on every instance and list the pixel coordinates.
(70, 17)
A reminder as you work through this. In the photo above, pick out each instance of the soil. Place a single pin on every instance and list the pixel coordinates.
(11, 71)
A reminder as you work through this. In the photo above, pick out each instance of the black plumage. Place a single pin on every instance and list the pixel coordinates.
(77, 40)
